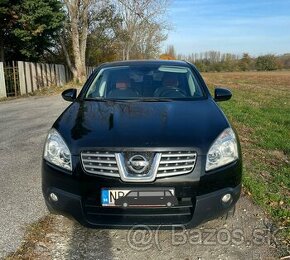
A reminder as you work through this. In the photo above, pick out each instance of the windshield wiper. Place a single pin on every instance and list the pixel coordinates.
(130, 100)
(155, 99)
(107, 99)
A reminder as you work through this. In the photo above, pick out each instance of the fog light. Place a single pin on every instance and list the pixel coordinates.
(53, 197)
(226, 198)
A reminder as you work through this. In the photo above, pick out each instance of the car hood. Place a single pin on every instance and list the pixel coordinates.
(95, 124)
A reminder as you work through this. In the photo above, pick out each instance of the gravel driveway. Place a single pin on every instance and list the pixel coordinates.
(23, 127)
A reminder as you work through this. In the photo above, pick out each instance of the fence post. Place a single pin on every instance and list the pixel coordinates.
(52, 71)
(44, 77)
(62, 75)
(28, 77)
(57, 75)
(48, 76)
(39, 75)
(34, 82)
(21, 77)
(3, 92)
(66, 74)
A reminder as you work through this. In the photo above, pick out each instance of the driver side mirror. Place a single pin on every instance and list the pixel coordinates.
(69, 94)
(222, 94)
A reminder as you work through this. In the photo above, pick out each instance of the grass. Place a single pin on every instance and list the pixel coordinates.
(260, 111)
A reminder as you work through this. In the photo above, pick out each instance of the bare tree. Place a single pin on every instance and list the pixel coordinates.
(141, 29)
(147, 44)
(76, 32)
(144, 24)
(170, 50)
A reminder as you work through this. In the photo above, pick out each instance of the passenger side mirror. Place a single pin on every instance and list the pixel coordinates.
(222, 94)
(69, 94)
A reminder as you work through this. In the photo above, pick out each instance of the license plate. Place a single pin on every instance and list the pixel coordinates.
(137, 197)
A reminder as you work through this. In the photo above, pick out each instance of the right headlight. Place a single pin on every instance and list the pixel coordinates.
(56, 150)
(223, 151)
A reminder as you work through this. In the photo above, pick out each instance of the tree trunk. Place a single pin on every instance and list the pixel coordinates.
(79, 32)
(84, 35)
(127, 53)
(76, 50)
(68, 60)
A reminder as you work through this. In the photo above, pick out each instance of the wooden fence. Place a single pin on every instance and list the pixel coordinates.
(19, 78)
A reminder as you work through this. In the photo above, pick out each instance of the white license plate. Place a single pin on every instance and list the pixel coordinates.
(109, 196)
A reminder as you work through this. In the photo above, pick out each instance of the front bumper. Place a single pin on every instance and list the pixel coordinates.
(199, 200)
(206, 207)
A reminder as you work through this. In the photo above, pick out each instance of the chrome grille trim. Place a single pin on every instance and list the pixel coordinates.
(176, 163)
(176, 154)
(100, 163)
(172, 163)
(106, 154)
(175, 167)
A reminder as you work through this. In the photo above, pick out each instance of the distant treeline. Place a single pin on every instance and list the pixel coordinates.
(211, 61)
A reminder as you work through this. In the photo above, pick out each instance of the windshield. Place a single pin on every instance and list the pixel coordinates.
(144, 82)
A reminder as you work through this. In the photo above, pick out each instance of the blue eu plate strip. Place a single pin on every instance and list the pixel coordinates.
(105, 196)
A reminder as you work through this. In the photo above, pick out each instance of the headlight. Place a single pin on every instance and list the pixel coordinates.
(56, 151)
(223, 151)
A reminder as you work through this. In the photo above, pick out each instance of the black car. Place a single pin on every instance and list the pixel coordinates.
(139, 125)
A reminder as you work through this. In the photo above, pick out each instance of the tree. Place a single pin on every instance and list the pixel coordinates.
(148, 43)
(285, 60)
(76, 31)
(171, 51)
(227, 62)
(245, 62)
(104, 36)
(28, 27)
(144, 25)
(267, 62)
(165, 56)
(169, 54)
(91, 34)
(8, 20)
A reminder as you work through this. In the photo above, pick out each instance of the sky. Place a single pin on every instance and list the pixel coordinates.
(235, 26)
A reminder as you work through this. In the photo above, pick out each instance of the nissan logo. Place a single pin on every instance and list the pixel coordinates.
(138, 163)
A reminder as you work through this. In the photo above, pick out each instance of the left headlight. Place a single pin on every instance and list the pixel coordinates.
(223, 151)
(56, 150)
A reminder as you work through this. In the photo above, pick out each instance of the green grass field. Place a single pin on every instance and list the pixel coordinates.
(260, 111)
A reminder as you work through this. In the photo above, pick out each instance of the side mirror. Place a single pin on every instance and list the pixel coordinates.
(222, 94)
(69, 94)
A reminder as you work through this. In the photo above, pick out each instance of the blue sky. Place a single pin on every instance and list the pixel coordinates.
(235, 26)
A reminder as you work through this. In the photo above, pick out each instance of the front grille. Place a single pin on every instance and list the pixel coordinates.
(176, 163)
(172, 163)
(178, 214)
(100, 163)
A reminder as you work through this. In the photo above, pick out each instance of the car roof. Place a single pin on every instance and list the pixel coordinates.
(145, 62)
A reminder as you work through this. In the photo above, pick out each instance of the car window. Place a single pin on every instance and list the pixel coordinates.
(168, 193)
(132, 194)
(151, 193)
(141, 82)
